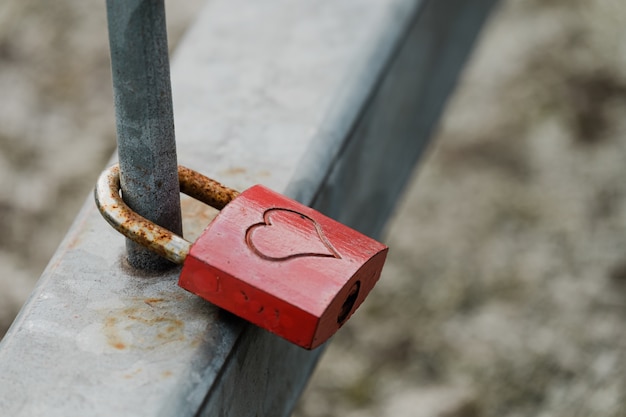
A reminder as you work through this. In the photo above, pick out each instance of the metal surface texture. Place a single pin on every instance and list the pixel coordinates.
(144, 115)
(142, 231)
(331, 101)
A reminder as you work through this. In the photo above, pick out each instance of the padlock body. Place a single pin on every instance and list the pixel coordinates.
(283, 266)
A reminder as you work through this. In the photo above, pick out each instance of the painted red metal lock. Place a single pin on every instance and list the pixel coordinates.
(278, 263)
(283, 266)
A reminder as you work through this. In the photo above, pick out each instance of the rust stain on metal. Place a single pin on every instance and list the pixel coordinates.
(235, 171)
(133, 374)
(204, 188)
(146, 233)
(112, 335)
(152, 301)
(145, 325)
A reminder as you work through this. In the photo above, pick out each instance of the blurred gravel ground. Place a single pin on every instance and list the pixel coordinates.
(505, 292)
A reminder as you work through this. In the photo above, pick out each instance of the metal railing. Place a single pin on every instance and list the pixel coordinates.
(331, 102)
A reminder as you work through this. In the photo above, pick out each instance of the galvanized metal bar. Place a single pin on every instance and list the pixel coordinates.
(145, 121)
(331, 101)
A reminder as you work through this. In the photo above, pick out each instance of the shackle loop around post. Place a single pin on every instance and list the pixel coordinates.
(139, 229)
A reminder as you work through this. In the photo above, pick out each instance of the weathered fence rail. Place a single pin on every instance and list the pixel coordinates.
(331, 102)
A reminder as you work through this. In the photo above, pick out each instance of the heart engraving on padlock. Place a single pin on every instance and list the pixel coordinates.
(282, 231)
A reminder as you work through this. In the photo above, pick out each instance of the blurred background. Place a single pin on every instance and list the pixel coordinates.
(505, 291)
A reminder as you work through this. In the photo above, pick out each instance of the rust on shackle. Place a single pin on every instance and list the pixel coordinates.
(139, 229)
(204, 189)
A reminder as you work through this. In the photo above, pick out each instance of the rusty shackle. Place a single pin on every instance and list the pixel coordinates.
(141, 230)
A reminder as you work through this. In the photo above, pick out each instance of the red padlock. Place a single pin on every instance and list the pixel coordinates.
(266, 258)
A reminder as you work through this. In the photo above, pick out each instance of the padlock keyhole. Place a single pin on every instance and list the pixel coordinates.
(346, 308)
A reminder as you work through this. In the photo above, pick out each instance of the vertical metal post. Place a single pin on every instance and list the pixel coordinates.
(145, 121)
